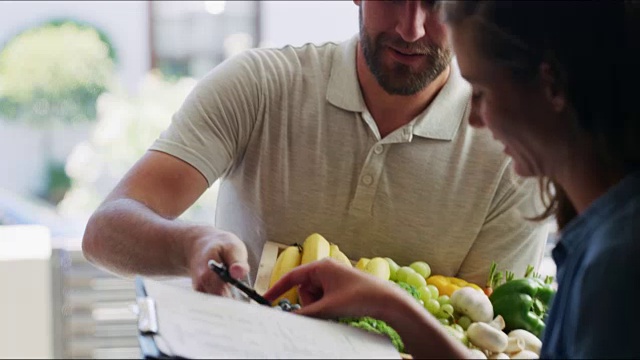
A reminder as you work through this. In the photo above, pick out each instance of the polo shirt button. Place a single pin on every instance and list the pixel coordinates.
(378, 149)
(367, 179)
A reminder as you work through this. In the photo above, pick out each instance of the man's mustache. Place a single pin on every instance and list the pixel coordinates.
(407, 47)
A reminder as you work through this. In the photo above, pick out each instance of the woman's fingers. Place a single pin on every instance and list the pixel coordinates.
(316, 309)
(297, 276)
(308, 293)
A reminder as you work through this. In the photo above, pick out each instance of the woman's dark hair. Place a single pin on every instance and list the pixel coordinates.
(592, 48)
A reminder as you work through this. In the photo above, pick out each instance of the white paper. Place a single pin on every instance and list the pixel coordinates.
(196, 325)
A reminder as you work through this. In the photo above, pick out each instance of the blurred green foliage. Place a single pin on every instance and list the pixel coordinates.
(55, 72)
(173, 70)
(58, 182)
(126, 126)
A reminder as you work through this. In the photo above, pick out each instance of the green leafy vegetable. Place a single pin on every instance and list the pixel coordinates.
(375, 326)
(410, 289)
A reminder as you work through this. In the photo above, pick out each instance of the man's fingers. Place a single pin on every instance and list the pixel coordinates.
(210, 283)
(235, 257)
(214, 285)
(239, 270)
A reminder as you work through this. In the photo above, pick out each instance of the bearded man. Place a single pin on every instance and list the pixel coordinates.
(365, 142)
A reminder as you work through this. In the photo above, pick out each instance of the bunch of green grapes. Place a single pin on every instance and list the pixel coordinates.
(440, 307)
(416, 275)
(413, 279)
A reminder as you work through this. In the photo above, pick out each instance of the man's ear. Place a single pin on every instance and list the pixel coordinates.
(552, 87)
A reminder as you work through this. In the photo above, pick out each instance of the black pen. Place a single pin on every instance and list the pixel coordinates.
(223, 272)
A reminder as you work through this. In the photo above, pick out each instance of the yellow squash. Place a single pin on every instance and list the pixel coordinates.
(448, 284)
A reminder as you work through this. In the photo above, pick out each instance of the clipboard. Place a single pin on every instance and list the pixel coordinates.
(148, 324)
(176, 323)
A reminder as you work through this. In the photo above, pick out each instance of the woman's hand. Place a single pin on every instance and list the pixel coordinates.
(328, 289)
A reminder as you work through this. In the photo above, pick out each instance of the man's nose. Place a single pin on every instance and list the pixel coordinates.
(411, 25)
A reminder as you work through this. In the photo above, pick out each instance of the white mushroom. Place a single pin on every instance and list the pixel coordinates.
(477, 354)
(487, 337)
(498, 356)
(525, 354)
(498, 322)
(472, 303)
(531, 342)
(514, 345)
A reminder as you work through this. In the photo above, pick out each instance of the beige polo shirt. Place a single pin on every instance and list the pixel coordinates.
(288, 132)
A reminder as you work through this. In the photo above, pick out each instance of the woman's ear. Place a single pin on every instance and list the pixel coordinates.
(552, 87)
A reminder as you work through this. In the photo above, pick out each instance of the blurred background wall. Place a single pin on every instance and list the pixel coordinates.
(127, 25)
(186, 38)
(85, 87)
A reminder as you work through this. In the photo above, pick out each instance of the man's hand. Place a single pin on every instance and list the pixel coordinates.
(220, 246)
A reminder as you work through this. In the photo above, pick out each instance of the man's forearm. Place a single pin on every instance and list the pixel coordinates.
(126, 237)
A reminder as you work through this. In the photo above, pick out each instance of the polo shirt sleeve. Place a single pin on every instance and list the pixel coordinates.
(506, 236)
(213, 125)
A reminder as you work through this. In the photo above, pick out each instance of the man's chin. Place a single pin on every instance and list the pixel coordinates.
(401, 83)
(401, 89)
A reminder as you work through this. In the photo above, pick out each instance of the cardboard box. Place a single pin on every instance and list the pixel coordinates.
(268, 259)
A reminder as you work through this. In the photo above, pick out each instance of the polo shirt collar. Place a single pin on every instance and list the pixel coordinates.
(343, 89)
(440, 120)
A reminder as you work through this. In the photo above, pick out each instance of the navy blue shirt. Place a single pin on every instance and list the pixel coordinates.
(596, 311)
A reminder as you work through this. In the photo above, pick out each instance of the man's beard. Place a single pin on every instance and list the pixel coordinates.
(400, 79)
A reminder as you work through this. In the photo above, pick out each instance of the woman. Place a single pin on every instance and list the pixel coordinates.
(554, 82)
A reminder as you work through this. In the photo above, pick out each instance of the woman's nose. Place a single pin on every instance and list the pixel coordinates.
(411, 25)
(475, 118)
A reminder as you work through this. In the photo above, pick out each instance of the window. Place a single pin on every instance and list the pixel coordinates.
(189, 38)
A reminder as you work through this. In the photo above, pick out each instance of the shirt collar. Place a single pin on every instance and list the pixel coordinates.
(440, 120)
(601, 208)
(343, 89)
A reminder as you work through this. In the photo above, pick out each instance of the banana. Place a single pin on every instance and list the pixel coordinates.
(362, 263)
(288, 259)
(335, 253)
(315, 247)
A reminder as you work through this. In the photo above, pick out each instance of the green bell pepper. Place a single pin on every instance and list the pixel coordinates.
(523, 304)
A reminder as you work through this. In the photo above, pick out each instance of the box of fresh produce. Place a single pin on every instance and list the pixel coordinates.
(502, 320)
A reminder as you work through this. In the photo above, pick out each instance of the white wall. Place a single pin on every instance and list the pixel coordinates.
(303, 21)
(124, 22)
(24, 151)
(26, 311)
